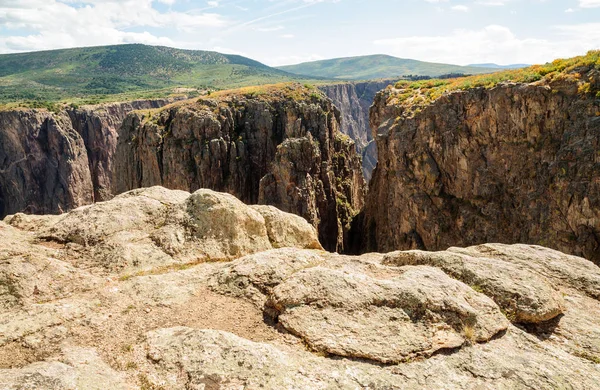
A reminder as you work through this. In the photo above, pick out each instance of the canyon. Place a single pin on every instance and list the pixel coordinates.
(354, 100)
(231, 240)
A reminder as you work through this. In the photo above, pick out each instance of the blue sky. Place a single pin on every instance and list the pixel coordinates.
(291, 31)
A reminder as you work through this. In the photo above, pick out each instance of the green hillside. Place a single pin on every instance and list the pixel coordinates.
(377, 67)
(124, 71)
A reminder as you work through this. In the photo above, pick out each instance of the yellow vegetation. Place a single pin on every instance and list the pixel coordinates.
(419, 93)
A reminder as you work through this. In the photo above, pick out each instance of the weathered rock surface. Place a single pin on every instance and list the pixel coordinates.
(114, 295)
(524, 295)
(55, 162)
(517, 163)
(154, 227)
(279, 146)
(80, 369)
(389, 321)
(354, 100)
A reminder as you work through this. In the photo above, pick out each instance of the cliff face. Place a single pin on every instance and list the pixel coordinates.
(98, 127)
(354, 101)
(517, 163)
(54, 162)
(43, 164)
(277, 145)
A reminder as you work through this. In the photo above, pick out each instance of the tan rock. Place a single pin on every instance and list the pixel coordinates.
(80, 369)
(288, 230)
(416, 314)
(256, 275)
(524, 295)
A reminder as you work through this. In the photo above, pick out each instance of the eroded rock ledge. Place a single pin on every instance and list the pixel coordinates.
(160, 288)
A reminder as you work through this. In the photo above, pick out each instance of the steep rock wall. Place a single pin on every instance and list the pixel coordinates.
(54, 162)
(43, 164)
(278, 146)
(518, 163)
(354, 100)
(98, 126)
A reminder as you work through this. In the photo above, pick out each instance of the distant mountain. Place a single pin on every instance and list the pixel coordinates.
(125, 69)
(496, 66)
(377, 67)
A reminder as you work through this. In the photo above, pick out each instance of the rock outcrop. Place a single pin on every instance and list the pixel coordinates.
(161, 288)
(511, 163)
(274, 145)
(54, 162)
(277, 145)
(354, 99)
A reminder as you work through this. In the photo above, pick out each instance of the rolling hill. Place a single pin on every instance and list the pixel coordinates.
(126, 71)
(377, 67)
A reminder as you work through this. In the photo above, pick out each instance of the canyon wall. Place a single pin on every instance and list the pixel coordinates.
(54, 162)
(354, 100)
(282, 147)
(276, 146)
(516, 163)
(43, 164)
(98, 126)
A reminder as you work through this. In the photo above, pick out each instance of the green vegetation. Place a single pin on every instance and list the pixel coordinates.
(124, 72)
(377, 67)
(416, 94)
(273, 92)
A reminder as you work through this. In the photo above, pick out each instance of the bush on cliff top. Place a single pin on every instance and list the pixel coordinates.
(555, 70)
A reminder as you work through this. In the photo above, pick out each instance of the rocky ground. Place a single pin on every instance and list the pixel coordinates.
(161, 289)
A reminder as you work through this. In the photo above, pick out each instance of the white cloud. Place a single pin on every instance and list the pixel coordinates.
(461, 8)
(288, 36)
(569, 10)
(589, 3)
(492, 3)
(495, 44)
(68, 23)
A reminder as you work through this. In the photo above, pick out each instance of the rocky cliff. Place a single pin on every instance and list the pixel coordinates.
(484, 159)
(43, 163)
(53, 162)
(163, 289)
(354, 100)
(98, 126)
(277, 145)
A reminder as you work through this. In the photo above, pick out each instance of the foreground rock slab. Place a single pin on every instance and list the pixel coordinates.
(353, 315)
(160, 289)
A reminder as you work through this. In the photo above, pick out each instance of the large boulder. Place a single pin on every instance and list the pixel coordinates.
(148, 228)
(389, 321)
(524, 295)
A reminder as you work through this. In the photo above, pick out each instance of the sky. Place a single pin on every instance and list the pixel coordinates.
(282, 32)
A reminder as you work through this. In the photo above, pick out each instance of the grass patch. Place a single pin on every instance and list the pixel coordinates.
(417, 94)
(173, 268)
